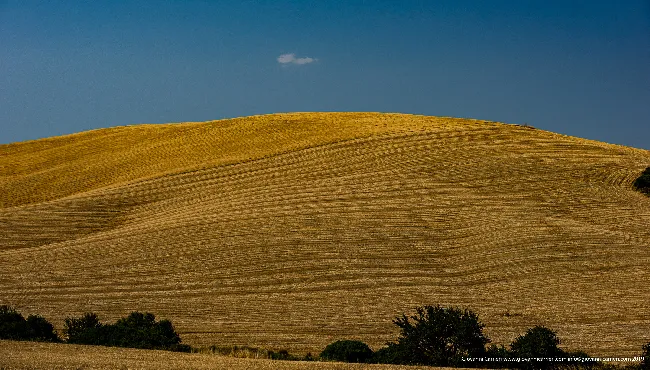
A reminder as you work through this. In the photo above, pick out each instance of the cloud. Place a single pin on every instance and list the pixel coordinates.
(291, 59)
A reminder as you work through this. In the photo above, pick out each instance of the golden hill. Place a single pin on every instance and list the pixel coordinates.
(293, 230)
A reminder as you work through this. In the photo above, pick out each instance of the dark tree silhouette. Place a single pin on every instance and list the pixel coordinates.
(14, 326)
(440, 337)
(642, 183)
(347, 351)
(538, 342)
(138, 330)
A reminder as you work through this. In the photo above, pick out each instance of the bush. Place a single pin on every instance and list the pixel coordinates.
(84, 330)
(239, 351)
(642, 184)
(391, 354)
(347, 351)
(138, 330)
(537, 342)
(14, 326)
(498, 352)
(309, 357)
(282, 354)
(439, 336)
(40, 330)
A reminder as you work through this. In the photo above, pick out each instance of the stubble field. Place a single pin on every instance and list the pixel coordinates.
(26, 355)
(294, 230)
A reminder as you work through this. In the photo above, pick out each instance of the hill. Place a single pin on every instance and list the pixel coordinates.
(293, 230)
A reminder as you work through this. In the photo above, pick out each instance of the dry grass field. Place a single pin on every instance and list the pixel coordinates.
(294, 230)
(30, 355)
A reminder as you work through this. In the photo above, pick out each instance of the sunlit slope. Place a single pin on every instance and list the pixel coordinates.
(31, 171)
(331, 238)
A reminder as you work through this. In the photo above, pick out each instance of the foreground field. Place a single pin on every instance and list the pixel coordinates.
(294, 230)
(30, 355)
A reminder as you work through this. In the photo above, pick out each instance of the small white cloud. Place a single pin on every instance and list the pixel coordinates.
(304, 60)
(286, 58)
(291, 59)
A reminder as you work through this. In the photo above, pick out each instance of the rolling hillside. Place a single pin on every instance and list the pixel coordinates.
(293, 230)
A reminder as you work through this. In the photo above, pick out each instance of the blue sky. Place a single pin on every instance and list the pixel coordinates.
(576, 67)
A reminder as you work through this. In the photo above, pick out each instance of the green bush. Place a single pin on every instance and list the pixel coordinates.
(347, 351)
(439, 336)
(642, 184)
(501, 352)
(537, 342)
(41, 330)
(14, 326)
(391, 354)
(84, 330)
(282, 354)
(138, 330)
(309, 357)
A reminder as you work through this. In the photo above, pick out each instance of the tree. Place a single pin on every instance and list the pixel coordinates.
(642, 183)
(440, 336)
(40, 330)
(84, 330)
(138, 330)
(12, 324)
(347, 351)
(498, 352)
(538, 342)
(391, 354)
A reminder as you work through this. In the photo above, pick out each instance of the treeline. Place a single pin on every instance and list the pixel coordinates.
(452, 337)
(15, 327)
(138, 330)
(433, 336)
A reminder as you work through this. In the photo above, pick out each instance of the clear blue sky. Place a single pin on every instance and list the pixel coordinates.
(580, 68)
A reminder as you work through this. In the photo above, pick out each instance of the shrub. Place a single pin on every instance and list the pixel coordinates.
(309, 357)
(439, 336)
(40, 330)
(14, 326)
(239, 351)
(642, 184)
(138, 330)
(495, 352)
(391, 354)
(84, 330)
(282, 354)
(347, 351)
(537, 342)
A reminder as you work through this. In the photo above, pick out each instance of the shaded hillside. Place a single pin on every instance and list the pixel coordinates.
(293, 230)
